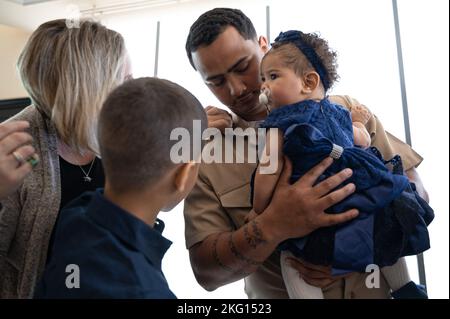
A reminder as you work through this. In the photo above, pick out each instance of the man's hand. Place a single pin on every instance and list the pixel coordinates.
(218, 118)
(299, 209)
(315, 275)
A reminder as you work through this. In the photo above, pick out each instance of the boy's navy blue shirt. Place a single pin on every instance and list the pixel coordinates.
(117, 254)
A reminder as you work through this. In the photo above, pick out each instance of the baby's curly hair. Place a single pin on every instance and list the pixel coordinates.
(292, 56)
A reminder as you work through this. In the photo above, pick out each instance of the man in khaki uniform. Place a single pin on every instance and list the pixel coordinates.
(223, 47)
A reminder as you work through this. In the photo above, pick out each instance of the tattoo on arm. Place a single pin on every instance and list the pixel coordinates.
(239, 256)
(255, 239)
(247, 236)
(216, 256)
(239, 272)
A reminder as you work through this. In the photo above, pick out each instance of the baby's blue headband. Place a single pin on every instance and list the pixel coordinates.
(296, 38)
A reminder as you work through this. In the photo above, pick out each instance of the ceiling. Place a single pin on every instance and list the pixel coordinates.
(29, 14)
(27, 2)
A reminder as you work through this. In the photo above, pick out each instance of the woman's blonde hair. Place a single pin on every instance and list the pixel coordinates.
(69, 72)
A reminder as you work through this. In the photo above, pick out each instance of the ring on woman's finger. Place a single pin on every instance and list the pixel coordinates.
(19, 158)
(33, 160)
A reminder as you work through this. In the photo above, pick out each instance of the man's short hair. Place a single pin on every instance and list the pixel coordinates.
(212, 23)
(134, 130)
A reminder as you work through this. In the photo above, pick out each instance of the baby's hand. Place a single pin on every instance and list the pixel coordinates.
(361, 136)
(361, 114)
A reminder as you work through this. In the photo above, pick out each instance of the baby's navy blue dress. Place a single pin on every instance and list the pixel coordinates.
(392, 220)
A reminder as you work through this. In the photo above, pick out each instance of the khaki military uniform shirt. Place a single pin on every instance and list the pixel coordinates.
(220, 201)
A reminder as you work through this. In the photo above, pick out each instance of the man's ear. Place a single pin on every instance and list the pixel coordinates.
(263, 44)
(311, 81)
(183, 175)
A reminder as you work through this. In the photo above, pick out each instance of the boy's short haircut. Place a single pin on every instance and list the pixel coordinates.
(212, 23)
(134, 130)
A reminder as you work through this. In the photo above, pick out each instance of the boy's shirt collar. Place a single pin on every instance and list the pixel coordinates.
(129, 228)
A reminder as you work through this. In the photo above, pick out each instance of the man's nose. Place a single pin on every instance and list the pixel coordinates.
(236, 86)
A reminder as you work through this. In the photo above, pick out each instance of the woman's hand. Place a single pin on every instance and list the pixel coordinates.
(15, 153)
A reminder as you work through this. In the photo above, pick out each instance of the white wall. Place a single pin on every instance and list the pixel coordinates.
(425, 41)
(30, 17)
(12, 41)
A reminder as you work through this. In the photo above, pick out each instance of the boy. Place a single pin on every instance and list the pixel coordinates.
(108, 244)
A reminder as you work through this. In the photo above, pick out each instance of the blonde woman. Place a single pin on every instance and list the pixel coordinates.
(68, 73)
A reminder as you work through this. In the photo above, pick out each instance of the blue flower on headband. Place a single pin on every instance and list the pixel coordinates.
(296, 38)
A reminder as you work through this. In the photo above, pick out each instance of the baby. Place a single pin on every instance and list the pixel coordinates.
(296, 74)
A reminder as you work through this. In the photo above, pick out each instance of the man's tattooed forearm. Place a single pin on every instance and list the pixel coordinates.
(239, 256)
(216, 256)
(247, 236)
(240, 272)
(255, 239)
(258, 234)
